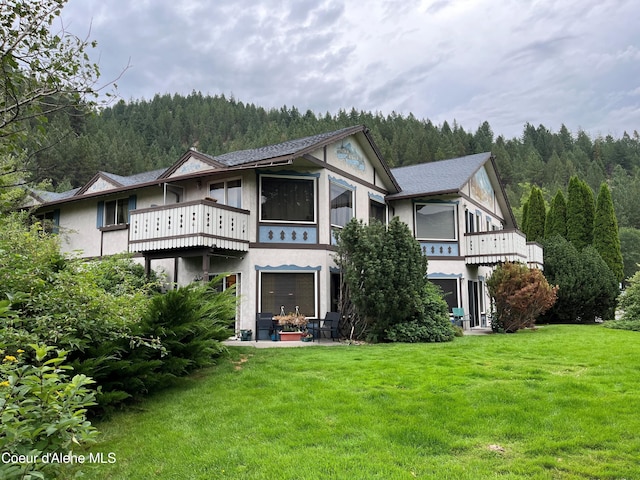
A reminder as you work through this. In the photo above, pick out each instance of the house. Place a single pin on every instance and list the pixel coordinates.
(267, 218)
(461, 216)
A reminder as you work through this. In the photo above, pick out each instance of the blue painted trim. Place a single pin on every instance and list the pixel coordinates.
(376, 197)
(444, 275)
(450, 202)
(288, 173)
(440, 249)
(294, 234)
(342, 183)
(287, 268)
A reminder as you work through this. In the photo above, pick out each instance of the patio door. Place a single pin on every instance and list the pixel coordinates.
(475, 302)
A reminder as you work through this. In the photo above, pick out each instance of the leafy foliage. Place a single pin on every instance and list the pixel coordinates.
(42, 71)
(520, 295)
(42, 412)
(190, 322)
(629, 302)
(385, 272)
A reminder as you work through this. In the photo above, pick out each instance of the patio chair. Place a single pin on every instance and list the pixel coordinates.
(331, 324)
(458, 316)
(264, 323)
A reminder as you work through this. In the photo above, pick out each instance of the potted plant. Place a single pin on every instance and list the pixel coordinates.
(293, 325)
(245, 335)
(306, 337)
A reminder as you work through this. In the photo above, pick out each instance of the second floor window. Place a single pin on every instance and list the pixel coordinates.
(116, 212)
(227, 193)
(436, 221)
(287, 199)
(341, 205)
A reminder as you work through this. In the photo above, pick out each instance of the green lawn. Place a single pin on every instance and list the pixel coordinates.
(561, 402)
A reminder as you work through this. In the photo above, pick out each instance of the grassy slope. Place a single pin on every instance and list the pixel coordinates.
(560, 402)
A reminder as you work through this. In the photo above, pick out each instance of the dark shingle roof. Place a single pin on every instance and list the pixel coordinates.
(291, 147)
(436, 177)
(136, 179)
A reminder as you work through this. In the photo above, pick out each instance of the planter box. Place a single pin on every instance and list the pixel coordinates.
(290, 336)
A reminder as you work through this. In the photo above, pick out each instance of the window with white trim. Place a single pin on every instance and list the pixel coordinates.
(288, 289)
(436, 221)
(287, 199)
(228, 192)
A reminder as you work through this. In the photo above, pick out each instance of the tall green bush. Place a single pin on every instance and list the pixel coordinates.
(556, 222)
(385, 272)
(536, 216)
(580, 213)
(588, 288)
(605, 233)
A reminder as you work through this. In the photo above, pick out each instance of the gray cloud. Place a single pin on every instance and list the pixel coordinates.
(574, 62)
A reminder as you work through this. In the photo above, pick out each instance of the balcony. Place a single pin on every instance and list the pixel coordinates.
(201, 223)
(490, 248)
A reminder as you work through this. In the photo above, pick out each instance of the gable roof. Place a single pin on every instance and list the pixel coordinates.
(448, 177)
(281, 152)
(444, 176)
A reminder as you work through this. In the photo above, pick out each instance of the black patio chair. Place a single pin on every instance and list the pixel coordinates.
(264, 323)
(331, 324)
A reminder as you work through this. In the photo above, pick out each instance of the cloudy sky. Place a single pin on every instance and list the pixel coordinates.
(509, 62)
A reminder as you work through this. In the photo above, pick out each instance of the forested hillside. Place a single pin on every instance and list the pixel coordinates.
(135, 136)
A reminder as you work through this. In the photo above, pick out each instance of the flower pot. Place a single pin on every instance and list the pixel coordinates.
(245, 335)
(290, 336)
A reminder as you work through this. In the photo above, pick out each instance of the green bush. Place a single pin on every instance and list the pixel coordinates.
(190, 323)
(629, 301)
(384, 274)
(42, 412)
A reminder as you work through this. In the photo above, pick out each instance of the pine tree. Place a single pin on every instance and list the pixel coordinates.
(580, 214)
(605, 233)
(556, 223)
(536, 215)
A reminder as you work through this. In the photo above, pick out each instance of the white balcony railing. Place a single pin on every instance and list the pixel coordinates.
(201, 223)
(490, 248)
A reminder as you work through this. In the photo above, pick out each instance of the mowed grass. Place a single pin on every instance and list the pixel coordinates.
(561, 402)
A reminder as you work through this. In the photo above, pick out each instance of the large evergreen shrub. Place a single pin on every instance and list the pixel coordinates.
(588, 288)
(385, 274)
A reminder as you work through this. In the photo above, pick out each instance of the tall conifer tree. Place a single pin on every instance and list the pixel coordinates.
(556, 223)
(580, 214)
(605, 233)
(536, 215)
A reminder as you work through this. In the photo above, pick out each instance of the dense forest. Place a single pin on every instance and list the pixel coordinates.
(134, 136)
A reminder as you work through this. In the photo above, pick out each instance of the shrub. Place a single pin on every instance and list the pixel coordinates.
(384, 272)
(629, 301)
(588, 288)
(190, 323)
(520, 295)
(42, 412)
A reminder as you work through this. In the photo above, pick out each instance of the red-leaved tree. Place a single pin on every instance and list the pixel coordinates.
(520, 295)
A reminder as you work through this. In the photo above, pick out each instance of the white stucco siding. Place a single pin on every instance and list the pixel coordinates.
(78, 231)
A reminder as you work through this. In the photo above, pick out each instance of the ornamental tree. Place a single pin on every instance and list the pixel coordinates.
(605, 233)
(580, 213)
(520, 295)
(556, 223)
